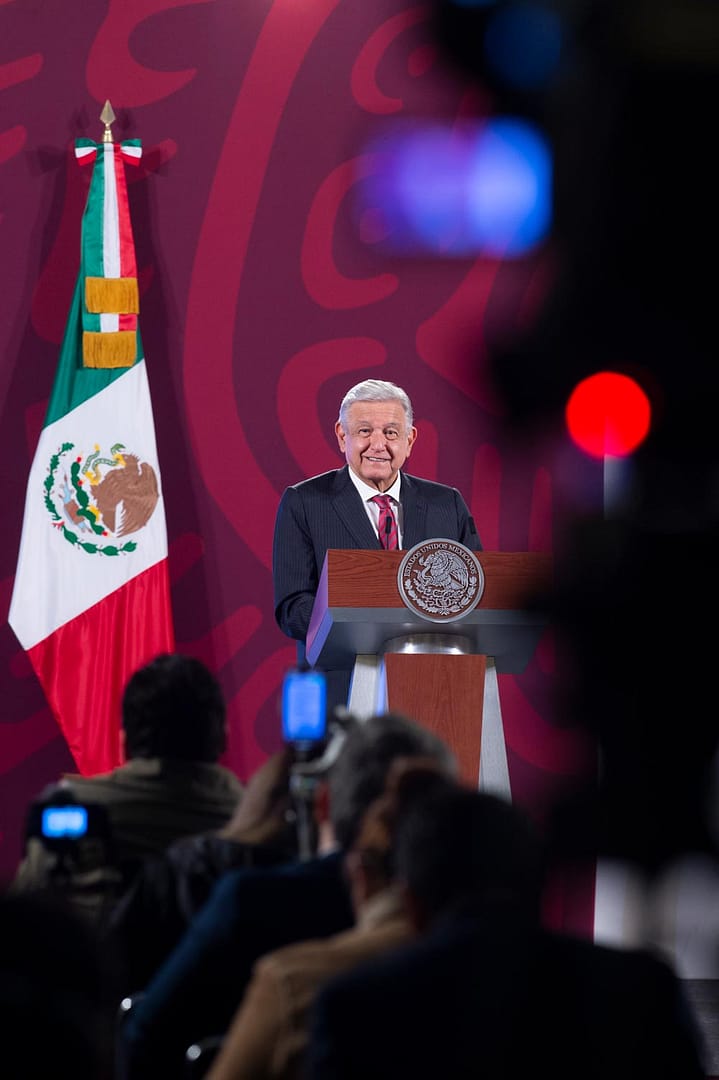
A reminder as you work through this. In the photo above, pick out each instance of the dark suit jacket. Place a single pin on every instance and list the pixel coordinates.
(168, 891)
(197, 990)
(504, 1001)
(326, 511)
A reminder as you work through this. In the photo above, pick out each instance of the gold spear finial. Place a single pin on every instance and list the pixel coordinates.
(108, 117)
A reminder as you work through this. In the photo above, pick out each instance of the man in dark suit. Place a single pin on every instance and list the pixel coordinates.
(375, 433)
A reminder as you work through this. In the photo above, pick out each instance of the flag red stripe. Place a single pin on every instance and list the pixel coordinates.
(128, 267)
(111, 640)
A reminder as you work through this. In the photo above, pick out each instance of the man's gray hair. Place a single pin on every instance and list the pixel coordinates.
(375, 390)
(359, 774)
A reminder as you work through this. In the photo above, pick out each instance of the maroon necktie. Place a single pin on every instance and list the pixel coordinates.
(387, 523)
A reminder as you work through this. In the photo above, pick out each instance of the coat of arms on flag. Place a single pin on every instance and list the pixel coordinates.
(91, 599)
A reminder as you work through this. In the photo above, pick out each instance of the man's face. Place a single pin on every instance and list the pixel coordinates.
(377, 441)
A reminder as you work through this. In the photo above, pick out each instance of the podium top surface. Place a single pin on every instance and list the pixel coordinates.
(359, 608)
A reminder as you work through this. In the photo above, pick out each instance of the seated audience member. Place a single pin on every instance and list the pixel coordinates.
(57, 993)
(170, 888)
(269, 1032)
(484, 990)
(253, 911)
(171, 785)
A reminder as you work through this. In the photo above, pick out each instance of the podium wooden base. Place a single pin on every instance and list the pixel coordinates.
(444, 694)
(459, 701)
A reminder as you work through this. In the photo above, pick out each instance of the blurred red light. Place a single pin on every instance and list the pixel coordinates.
(608, 414)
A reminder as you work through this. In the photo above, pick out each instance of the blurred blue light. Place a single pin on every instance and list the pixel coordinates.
(509, 201)
(523, 44)
(459, 191)
(430, 180)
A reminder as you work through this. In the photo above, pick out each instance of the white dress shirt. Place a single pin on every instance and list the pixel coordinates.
(367, 493)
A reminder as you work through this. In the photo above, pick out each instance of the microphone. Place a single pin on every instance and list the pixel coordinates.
(387, 526)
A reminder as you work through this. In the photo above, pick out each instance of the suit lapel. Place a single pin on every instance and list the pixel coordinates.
(348, 505)
(414, 514)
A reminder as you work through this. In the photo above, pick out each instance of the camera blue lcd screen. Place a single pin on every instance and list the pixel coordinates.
(60, 821)
(304, 706)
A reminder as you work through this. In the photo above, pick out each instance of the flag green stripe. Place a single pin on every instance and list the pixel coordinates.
(74, 383)
(92, 233)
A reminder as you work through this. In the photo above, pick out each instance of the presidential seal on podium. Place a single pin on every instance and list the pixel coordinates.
(440, 580)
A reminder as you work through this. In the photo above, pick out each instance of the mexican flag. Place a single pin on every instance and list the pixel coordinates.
(91, 598)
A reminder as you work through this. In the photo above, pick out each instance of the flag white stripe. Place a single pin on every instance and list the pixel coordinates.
(56, 580)
(111, 217)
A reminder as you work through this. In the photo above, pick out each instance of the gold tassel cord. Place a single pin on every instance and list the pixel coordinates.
(110, 350)
(112, 295)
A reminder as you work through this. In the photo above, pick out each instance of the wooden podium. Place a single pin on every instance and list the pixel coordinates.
(443, 676)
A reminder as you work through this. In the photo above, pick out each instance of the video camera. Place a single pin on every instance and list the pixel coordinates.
(72, 841)
(316, 738)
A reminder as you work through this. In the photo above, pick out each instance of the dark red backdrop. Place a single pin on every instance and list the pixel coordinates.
(260, 305)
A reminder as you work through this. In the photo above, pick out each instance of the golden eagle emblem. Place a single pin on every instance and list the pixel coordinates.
(99, 496)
